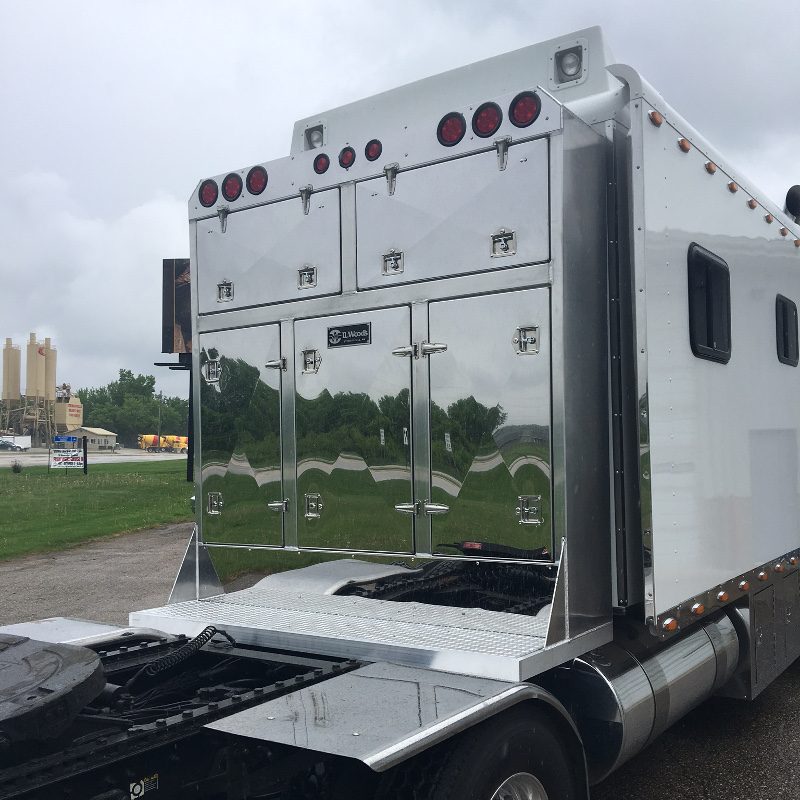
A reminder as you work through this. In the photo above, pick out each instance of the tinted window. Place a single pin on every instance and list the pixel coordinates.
(786, 330)
(709, 305)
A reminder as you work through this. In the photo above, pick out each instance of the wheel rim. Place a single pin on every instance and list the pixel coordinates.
(522, 786)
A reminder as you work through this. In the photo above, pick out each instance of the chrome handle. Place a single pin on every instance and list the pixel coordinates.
(429, 348)
(407, 508)
(408, 350)
(435, 508)
(278, 363)
(279, 505)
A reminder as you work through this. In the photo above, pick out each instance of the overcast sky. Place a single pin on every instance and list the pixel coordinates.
(112, 111)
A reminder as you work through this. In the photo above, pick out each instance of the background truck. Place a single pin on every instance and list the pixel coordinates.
(14, 442)
(163, 444)
(497, 374)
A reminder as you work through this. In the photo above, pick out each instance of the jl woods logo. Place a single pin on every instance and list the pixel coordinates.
(346, 335)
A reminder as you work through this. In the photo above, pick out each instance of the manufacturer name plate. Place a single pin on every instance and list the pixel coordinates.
(348, 335)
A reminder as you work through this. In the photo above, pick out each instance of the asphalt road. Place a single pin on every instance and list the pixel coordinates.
(724, 750)
(37, 456)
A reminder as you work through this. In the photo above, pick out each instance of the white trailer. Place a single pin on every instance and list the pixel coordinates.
(505, 363)
(17, 443)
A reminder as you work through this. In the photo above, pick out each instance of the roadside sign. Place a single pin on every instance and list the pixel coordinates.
(66, 458)
(65, 438)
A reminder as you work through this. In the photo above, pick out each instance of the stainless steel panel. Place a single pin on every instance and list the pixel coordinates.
(469, 641)
(490, 427)
(345, 715)
(262, 250)
(240, 421)
(442, 217)
(353, 429)
(196, 577)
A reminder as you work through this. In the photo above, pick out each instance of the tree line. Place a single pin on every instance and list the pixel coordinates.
(130, 407)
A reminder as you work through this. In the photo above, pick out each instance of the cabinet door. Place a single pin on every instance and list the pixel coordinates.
(490, 426)
(353, 430)
(240, 413)
(270, 254)
(455, 217)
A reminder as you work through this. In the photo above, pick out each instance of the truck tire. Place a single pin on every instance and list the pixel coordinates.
(516, 755)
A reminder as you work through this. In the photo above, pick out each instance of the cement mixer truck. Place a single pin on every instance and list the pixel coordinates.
(496, 374)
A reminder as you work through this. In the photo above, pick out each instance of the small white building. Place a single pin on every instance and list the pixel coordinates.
(96, 438)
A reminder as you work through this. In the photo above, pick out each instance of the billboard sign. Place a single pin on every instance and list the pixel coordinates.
(66, 458)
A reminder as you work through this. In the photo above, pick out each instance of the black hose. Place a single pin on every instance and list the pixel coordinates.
(151, 671)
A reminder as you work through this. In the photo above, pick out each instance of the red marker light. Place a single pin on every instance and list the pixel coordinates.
(451, 129)
(347, 157)
(524, 109)
(373, 150)
(257, 180)
(321, 163)
(208, 193)
(232, 186)
(487, 119)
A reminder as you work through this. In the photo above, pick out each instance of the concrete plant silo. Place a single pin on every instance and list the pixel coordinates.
(12, 366)
(49, 372)
(34, 369)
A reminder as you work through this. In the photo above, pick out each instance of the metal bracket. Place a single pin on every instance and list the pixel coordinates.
(526, 340)
(430, 348)
(504, 243)
(434, 508)
(222, 213)
(529, 510)
(215, 503)
(213, 371)
(408, 508)
(392, 262)
(390, 170)
(279, 505)
(307, 277)
(224, 291)
(313, 506)
(311, 362)
(502, 145)
(278, 363)
(305, 196)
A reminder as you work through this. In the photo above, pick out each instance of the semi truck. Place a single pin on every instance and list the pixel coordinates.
(495, 374)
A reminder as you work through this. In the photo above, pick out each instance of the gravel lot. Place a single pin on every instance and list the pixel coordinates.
(724, 750)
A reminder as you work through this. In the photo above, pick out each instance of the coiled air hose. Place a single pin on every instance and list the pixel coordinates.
(149, 673)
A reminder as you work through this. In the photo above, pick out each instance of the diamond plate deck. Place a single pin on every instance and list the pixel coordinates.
(468, 641)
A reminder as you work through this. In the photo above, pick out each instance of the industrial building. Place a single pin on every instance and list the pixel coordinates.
(45, 409)
(96, 438)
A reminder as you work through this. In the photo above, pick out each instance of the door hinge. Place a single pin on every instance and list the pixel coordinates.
(408, 508)
(390, 170)
(222, 213)
(409, 350)
(278, 363)
(430, 348)
(305, 196)
(279, 505)
(435, 508)
(502, 145)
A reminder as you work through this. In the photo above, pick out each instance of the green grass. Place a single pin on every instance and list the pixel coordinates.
(43, 511)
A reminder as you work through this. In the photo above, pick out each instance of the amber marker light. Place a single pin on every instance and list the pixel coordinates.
(656, 118)
(698, 609)
(784, 231)
(744, 586)
(797, 242)
(768, 218)
(669, 624)
(722, 597)
(733, 187)
(779, 568)
(711, 167)
(684, 145)
(793, 560)
(762, 576)
(752, 203)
